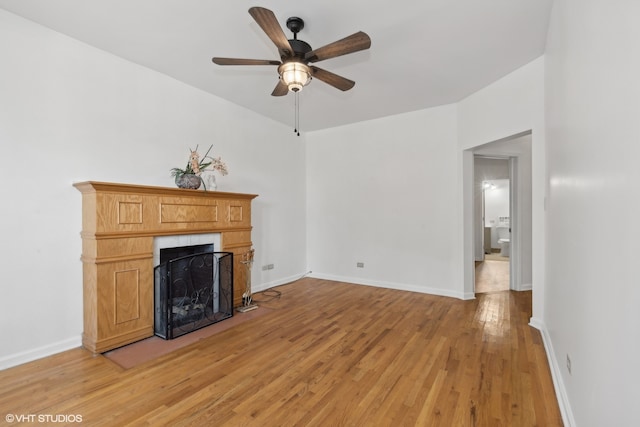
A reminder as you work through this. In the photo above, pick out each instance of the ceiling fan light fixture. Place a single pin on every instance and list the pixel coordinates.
(295, 75)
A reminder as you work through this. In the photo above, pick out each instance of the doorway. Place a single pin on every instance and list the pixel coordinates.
(493, 219)
(516, 152)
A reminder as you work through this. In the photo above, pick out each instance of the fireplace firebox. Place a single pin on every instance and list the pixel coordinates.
(193, 289)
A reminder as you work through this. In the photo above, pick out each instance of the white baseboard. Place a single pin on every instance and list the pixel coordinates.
(391, 285)
(40, 352)
(469, 295)
(558, 383)
(526, 287)
(268, 285)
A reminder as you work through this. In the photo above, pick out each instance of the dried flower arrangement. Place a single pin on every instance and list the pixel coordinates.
(195, 165)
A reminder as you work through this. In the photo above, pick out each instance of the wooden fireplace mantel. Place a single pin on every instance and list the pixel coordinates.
(119, 223)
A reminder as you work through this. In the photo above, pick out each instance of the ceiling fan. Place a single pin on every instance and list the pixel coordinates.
(296, 55)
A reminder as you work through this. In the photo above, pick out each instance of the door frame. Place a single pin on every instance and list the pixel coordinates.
(501, 148)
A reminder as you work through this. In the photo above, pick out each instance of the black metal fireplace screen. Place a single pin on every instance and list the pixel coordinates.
(192, 292)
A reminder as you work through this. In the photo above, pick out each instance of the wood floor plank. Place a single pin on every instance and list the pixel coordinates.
(329, 353)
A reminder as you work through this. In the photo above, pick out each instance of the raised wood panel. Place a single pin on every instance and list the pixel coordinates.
(118, 298)
(119, 223)
(235, 213)
(171, 213)
(121, 212)
(239, 213)
(129, 212)
(127, 296)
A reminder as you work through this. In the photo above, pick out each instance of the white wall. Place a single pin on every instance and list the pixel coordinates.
(484, 169)
(497, 203)
(390, 192)
(384, 192)
(497, 208)
(591, 301)
(68, 113)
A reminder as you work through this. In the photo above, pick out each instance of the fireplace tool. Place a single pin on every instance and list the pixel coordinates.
(247, 302)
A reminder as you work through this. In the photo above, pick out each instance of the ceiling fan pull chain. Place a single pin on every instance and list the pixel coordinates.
(297, 113)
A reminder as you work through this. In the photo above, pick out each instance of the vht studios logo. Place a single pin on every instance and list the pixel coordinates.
(43, 418)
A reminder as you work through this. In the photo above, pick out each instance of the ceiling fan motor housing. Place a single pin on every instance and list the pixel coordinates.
(300, 48)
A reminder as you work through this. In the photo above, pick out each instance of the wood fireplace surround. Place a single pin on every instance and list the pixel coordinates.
(119, 223)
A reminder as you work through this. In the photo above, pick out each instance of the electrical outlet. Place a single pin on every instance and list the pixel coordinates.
(360, 265)
(270, 267)
(569, 364)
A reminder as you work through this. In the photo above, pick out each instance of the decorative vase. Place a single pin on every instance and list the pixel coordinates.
(189, 181)
(209, 181)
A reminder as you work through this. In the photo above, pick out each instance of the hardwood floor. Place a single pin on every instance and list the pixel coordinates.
(492, 276)
(329, 354)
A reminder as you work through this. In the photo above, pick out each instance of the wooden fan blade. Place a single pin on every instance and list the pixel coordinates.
(281, 89)
(240, 61)
(269, 24)
(332, 79)
(353, 43)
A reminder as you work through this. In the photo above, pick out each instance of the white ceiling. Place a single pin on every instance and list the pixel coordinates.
(423, 53)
